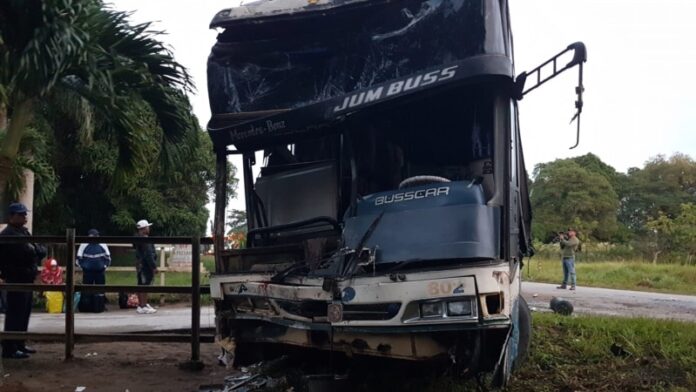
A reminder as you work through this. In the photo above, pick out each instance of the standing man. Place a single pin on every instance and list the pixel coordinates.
(19, 263)
(569, 245)
(145, 265)
(93, 258)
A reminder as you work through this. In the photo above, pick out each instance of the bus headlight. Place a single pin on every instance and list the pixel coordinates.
(459, 308)
(431, 309)
(452, 309)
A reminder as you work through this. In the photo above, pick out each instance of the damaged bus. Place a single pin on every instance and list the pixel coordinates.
(385, 187)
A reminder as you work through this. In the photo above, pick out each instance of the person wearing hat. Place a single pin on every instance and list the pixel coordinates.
(93, 258)
(569, 243)
(146, 265)
(18, 264)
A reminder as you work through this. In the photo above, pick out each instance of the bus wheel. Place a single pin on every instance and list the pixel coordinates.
(525, 326)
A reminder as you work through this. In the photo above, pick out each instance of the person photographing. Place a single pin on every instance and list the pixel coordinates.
(569, 244)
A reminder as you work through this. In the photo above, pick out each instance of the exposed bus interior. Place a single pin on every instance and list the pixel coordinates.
(314, 198)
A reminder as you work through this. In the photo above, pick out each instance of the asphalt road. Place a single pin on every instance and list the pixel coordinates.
(586, 300)
(592, 300)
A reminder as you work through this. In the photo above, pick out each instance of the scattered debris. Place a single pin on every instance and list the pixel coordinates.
(250, 378)
(619, 351)
(535, 295)
(80, 389)
(561, 306)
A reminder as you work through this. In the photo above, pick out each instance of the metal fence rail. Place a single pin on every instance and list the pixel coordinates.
(69, 288)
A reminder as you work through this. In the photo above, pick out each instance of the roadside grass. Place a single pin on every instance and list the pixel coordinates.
(591, 353)
(627, 275)
(608, 353)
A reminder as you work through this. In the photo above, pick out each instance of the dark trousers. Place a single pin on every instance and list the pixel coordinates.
(92, 302)
(16, 318)
(3, 301)
(93, 277)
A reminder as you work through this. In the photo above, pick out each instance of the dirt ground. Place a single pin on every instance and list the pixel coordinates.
(133, 367)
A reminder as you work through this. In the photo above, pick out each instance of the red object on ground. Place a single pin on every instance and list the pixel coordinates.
(51, 273)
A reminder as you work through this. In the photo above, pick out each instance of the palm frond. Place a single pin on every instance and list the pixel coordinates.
(33, 157)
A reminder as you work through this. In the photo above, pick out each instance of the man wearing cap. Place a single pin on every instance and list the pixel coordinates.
(18, 264)
(93, 258)
(569, 245)
(146, 265)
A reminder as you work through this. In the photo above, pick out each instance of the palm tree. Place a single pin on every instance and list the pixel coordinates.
(58, 51)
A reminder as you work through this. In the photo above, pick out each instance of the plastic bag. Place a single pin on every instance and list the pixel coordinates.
(133, 301)
(76, 301)
(54, 301)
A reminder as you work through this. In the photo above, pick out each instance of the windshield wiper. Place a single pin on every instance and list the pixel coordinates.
(351, 262)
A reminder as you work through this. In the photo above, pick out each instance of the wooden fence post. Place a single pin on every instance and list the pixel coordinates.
(162, 265)
(196, 299)
(69, 294)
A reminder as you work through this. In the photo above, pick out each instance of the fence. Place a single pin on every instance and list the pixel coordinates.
(69, 288)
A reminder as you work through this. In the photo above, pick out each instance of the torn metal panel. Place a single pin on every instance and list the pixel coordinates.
(264, 9)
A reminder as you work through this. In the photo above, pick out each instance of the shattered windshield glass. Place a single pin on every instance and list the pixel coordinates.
(288, 65)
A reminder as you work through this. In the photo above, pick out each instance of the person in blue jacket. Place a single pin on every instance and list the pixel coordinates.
(94, 258)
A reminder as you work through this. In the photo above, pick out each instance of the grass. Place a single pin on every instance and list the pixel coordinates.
(592, 353)
(609, 353)
(666, 278)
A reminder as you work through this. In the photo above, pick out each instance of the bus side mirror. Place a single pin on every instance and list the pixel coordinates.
(579, 58)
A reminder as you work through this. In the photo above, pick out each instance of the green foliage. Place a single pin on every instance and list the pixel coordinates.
(674, 234)
(565, 194)
(639, 209)
(626, 275)
(575, 353)
(109, 99)
(661, 187)
(593, 164)
(35, 149)
(174, 198)
(591, 251)
(112, 77)
(237, 221)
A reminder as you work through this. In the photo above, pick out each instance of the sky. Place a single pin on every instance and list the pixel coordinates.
(639, 78)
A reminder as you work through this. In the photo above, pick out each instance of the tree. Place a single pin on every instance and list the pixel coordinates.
(661, 187)
(565, 194)
(76, 51)
(237, 221)
(685, 231)
(674, 234)
(592, 163)
(174, 196)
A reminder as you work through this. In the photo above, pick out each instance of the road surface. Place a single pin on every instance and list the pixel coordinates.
(121, 321)
(586, 300)
(591, 300)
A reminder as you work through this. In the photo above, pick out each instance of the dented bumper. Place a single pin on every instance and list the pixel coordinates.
(416, 315)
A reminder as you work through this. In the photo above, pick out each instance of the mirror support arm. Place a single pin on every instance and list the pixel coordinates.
(579, 58)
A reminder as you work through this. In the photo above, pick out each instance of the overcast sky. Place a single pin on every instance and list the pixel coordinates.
(639, 78)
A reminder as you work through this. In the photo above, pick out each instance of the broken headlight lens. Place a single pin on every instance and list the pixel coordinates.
(459, 308)
(431, 309)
